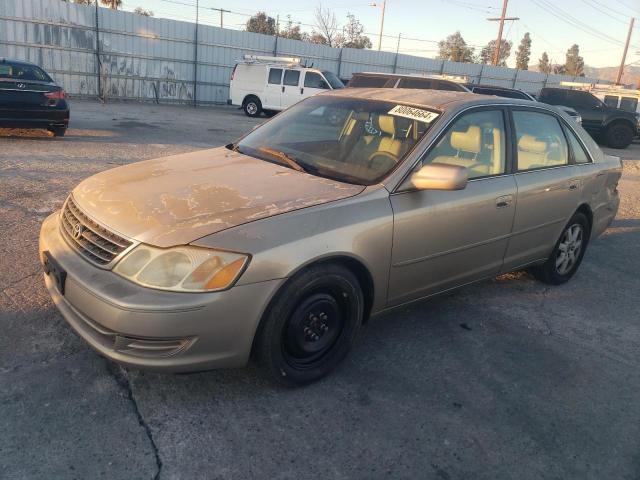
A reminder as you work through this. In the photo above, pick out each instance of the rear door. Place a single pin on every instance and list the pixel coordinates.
(313, 84)
(291, 89)
(273, 91)
(549, 187)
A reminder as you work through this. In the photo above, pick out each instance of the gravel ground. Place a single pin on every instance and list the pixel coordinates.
(504, 379)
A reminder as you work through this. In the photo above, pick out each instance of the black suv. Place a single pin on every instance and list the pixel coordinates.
(614, 127)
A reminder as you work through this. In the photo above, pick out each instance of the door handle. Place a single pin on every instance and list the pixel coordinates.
(504, 201)
(283, 89)
(301, 90)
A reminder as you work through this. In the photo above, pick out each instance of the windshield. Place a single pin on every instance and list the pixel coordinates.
(351, 140)
(334, 81)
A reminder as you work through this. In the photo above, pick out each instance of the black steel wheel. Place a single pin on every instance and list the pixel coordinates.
(252, 106)
(619, 135)
(311, 325)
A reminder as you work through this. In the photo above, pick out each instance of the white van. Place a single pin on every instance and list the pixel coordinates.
(270, 84)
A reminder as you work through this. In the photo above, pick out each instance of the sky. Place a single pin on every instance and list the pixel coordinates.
(599, 27)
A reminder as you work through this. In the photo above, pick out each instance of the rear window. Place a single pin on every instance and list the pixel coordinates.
(275, 76)
(23, 72)
(291, 77)
(368, 81)
(629, 104)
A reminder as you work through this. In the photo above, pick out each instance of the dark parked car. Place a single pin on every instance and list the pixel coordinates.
(506, 92)
(611, 126)
(396, 80)
(29, 98)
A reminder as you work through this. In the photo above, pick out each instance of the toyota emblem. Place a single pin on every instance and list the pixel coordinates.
(77, 231)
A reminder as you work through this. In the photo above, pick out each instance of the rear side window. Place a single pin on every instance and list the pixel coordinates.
(314, 80)
(291, 77)
(366, 81)
(417, 83)
(275, 76)
(23, 72)
(579, 154)
(540, 139)
(553, 97)
(611, 101)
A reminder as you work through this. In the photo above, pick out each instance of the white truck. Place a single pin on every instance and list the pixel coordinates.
(270, 84)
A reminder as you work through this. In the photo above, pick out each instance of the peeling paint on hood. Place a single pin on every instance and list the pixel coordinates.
(176, 200)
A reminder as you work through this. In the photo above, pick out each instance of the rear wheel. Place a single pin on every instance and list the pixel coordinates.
(619, 135)
(252, 106)
(311, 326)
(58, 131)
(567, 255)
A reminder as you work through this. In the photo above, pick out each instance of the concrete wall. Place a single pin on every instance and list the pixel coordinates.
(153, 59)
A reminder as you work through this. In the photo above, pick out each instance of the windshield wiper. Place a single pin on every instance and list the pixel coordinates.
(292, 162)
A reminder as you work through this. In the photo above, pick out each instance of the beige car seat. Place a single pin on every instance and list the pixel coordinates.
(532, 153)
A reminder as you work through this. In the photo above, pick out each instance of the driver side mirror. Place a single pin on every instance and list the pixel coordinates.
(440, 176)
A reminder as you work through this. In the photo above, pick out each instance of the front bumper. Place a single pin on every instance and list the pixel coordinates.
(153, 329)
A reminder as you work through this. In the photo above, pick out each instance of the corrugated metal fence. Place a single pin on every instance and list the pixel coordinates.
(127, 56)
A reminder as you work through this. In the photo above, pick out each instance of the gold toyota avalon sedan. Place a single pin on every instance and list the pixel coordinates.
(280, 246)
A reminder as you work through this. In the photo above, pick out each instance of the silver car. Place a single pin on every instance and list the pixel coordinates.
(282, 245)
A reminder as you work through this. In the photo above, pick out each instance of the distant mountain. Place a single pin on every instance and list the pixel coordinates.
(631, 74)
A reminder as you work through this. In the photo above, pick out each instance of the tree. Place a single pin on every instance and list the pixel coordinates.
(317, 37)
(292, 31)
(544, 66)
(352, 33)
(523, 54)
(488, 51)
(574, 64)
(327, 25)
(143, 12)
(261, 23)
(454, 48)
(112, 4)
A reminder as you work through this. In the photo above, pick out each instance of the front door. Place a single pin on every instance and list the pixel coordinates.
(313, 84)
(444, 239)
(291, 88)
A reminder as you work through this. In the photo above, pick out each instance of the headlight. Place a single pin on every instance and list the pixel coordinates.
(181, 269)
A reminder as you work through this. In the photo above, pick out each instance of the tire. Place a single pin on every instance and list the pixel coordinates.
(252, 106)
(619, 135)
(270, 113)
(58, 131)
(567, 254)
(311, 326)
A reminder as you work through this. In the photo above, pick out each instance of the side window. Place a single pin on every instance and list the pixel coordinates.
(275, 76)
(475, 141)
(582, 99)
(554, 97)
(416, 83)
(364, 81)
(541, 142)
(314, 80)
(611, 101)
(579, 155)
(291, 77)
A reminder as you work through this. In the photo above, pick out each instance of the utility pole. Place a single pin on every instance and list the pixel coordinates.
(501, 19)
(195, 58)
(222, 12)
(384, 7)
(624, 53)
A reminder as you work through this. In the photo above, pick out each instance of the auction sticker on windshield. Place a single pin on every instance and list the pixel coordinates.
(413, 113)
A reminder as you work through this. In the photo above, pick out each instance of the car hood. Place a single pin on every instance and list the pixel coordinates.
(176, 200)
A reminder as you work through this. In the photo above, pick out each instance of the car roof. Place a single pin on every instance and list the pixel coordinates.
(408, 75)
(442, 100)
(17, 62)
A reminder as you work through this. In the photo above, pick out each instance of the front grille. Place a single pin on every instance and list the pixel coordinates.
(94, 242)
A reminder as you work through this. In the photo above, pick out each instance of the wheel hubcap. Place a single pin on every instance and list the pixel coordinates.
(313, 328)
(252, 108)
(569, 249)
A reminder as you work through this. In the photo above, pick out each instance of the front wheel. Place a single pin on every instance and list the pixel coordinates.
(311, 326)
(619, 135)
(567, 255)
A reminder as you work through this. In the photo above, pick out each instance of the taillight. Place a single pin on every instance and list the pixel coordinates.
(57, 95)
(233, 72)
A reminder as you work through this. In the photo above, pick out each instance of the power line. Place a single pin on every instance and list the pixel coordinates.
(594, 5)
